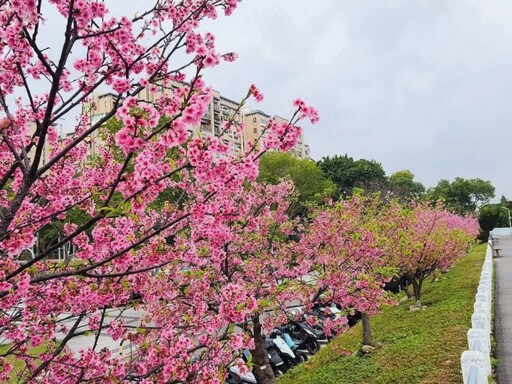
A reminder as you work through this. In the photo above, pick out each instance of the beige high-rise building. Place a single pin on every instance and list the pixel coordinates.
(220, 109)
(98, 109)
(256, 122)
(45, 153)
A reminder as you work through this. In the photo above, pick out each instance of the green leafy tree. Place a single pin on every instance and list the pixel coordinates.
(505, 202)
(348, 173)
(403, 186)
(492, 216)
(462, 196)
(310, 183)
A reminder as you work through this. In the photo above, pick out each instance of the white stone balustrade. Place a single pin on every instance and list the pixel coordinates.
(481, 307)
(483, 297)
(476, 361)
(469, 361)
(480, 320)
(480, 340)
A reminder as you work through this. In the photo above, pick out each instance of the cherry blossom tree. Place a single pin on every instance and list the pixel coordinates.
(438, 239)
(169, 263)
(261, 261)
(420, 239)
(360, 244)
(350, 266)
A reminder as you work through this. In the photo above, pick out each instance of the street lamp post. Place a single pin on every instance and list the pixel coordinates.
(509, 221)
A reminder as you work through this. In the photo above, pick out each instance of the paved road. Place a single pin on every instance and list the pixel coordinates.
(503, 316)
(130, 317)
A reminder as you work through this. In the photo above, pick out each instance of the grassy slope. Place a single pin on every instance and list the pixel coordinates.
(17, 364)
(419, 347)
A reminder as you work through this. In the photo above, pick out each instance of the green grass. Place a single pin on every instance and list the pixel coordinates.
(18, 365)
(418, 347)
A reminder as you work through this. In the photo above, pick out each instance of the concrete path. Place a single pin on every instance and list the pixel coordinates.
(76, 344)
(503, 306)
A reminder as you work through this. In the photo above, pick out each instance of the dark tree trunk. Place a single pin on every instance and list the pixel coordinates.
(405, 287)
(416, 286)
(367, 329)
(408, 293)
(262, 369)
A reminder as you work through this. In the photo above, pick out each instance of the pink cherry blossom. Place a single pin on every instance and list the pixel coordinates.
(258, 96)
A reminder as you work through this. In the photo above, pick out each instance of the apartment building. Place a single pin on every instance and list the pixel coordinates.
(45, 153)
(220, 109)
(255, 123)
(101, 105)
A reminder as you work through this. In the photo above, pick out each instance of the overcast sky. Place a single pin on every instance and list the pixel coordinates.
(419, 85)
(424, 85)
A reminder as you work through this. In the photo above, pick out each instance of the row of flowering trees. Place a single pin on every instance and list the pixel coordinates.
(162, 215)
(363, 243)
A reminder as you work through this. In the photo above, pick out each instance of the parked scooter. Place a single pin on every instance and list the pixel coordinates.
(334, 311)
(237, 377)
(323, 312)
(284, 351)
(317, 329)
(309, 344)
(290, 354)
(276, 362)
(304, 334)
